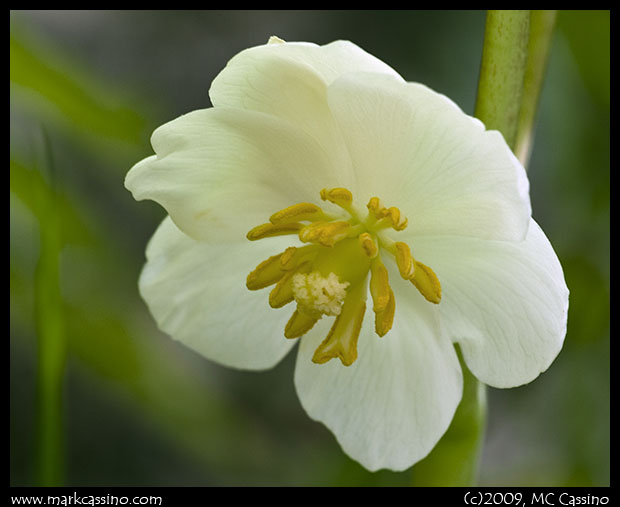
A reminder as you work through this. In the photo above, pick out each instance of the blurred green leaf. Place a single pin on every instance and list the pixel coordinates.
(57, 91)
(31, 188)
(590, 295)
(51, 341)
(588, 35)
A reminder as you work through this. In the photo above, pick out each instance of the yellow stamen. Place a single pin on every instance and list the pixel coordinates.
(330, 275)
(299, 324)
(426, 281)
(282, 293)
(368, 245)
(375, 206)
(324, 233)
(397, 219)
(385, 317)
(268, 230)
(287, 257)
(340, 196)
(341, 342)
(293, 257)
(265, 274)
(379, 286)
(404, 260)
(301, 212)
(384, 303)
(388, 217)
(394, 215)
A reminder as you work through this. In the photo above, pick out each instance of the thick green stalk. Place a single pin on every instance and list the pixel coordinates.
(542, 24)
(50, 336)
(502, 71)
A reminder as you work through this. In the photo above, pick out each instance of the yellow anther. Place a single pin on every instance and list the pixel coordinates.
(393, 216)
(375, 207)
(292, 257)
(385, 318)
(397, 219)
(268, 230)
(340, 196)
(299, 324)
(324, 233)
(265, 274)
(286, 260)
(303, 211)
(404, 260)
(368, 245)
(341, 342)
(282, 293)
(402, 224)
(426, 281)
(379, 286)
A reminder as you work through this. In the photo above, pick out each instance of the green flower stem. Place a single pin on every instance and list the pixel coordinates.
(514, 60)
(454, 460)
(542, 24)
(502, 71)
(50, 335)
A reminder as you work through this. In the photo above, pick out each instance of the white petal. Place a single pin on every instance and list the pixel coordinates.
(266, 80)
(220, 172)
(391, 406)
(416, 150)
(197, 294)
(505, 303)
(289, 80)
(275, 77)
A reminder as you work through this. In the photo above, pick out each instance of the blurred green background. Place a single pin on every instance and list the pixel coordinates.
(88, 88)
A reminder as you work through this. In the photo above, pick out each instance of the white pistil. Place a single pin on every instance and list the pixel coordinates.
(319, 295)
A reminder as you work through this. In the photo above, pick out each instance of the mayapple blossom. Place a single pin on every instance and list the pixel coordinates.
(389, 224)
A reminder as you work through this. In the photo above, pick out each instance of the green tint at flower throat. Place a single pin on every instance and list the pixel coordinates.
(329, 276)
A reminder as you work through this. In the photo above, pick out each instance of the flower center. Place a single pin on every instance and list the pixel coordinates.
(329, 276)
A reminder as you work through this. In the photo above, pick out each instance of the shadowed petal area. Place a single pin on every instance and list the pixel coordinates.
(391, 406)
(196, 292)
(505, 303)
(418, 151)
(219, 172)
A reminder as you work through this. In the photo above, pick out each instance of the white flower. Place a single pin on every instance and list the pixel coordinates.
(361, 184)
